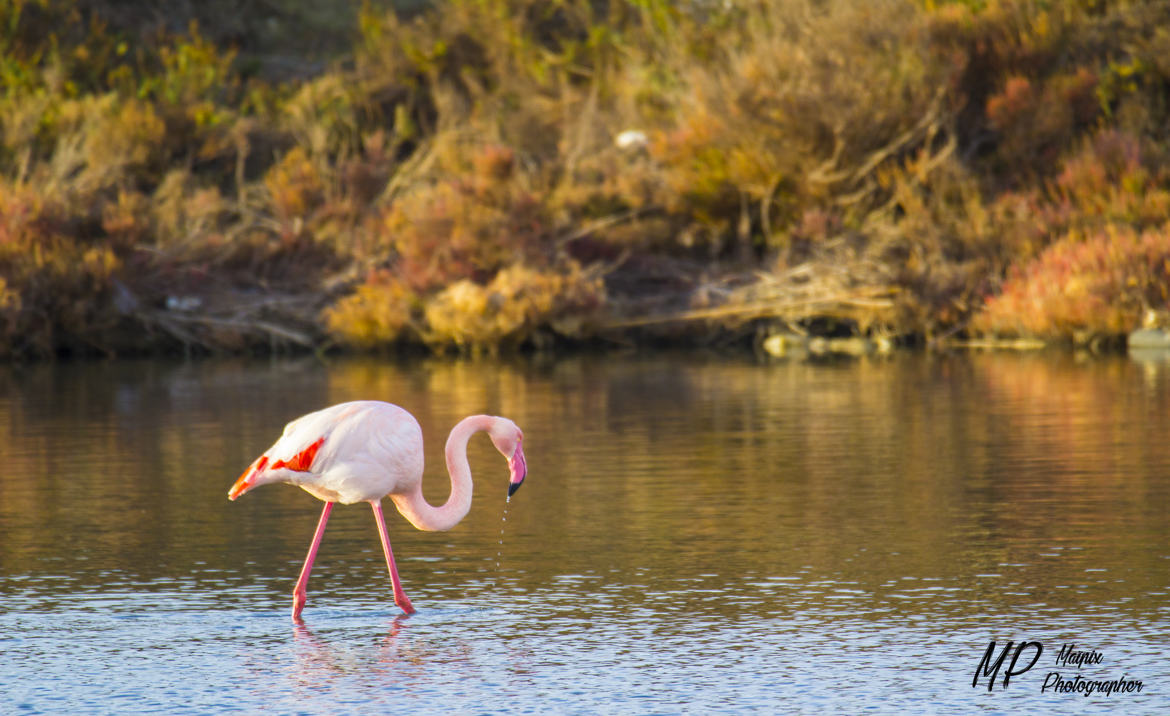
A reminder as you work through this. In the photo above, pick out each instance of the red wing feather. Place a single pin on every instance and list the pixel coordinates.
(302, 461)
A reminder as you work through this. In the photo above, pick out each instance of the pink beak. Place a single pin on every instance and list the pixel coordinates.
(519, 469)
(245, 483)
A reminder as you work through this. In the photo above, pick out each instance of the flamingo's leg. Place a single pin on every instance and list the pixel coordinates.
(400, 597)
(299, 590)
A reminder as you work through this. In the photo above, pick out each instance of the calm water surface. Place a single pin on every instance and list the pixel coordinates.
(695, 535)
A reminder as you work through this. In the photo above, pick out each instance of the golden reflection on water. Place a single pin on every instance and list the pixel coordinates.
(718, 486)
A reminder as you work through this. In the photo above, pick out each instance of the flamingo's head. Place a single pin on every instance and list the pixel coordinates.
(507, 438)
(251, 478)
(263, 472)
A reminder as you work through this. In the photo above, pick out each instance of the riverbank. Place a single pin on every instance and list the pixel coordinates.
(519, 174)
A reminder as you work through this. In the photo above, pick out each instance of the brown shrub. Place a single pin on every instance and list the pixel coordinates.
(1036, 122)
(56, 288)
(467, 228)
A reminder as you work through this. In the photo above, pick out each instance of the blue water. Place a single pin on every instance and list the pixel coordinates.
(178, 651)
(695, 536)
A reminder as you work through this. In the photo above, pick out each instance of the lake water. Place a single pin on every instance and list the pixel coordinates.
(695, 535)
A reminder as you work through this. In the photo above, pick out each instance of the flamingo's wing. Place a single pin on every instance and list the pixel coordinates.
(299, 448)
(349, 452)
(300, 445)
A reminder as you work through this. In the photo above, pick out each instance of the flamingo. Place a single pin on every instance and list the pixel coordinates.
(365, 450)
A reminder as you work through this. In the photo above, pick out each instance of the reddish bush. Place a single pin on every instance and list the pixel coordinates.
(1099, 285)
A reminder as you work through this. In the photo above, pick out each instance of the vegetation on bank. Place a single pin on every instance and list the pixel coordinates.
(504, 173)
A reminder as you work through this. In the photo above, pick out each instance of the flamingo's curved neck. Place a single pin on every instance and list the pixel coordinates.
(421, 513)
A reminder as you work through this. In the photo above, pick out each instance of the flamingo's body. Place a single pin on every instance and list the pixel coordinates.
(366, 450)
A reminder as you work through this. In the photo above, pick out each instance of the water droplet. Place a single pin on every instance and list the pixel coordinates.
(503, 522)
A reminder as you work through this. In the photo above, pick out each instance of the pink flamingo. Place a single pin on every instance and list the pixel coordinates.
(365, 450)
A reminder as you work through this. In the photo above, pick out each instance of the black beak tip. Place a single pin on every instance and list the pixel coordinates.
(512, 487)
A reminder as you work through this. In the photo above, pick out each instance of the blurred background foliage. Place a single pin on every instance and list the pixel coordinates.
(483, 174)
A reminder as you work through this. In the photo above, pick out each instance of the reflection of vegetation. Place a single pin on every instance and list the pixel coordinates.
(456, 181)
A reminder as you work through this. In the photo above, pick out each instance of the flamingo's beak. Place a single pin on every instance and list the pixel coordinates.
(519, 469)
(245, 482)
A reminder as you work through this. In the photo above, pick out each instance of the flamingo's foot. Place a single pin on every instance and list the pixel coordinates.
(298, 605)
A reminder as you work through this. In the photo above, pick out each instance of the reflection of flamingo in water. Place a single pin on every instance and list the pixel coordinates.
(365, 450)
(397, 657)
